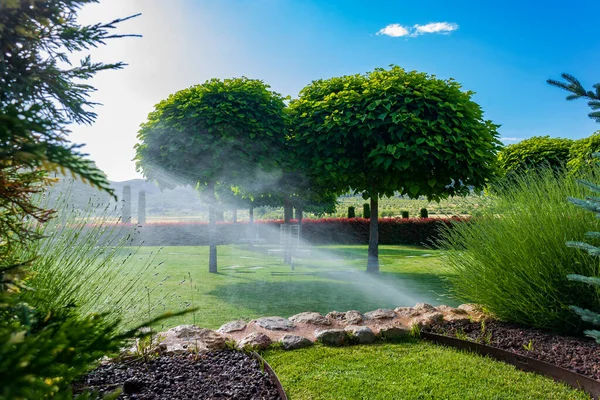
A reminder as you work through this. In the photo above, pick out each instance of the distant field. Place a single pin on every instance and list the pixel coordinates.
(388, 207)
(252, 283)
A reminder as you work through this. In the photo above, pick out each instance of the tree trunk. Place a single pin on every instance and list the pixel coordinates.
(287, 218)
(234, 215)
(212, 231)
(373, 254)
(299, 214)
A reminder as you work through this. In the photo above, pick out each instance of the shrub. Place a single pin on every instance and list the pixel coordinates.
(366, 211)
(424, 213)
(351, 212)
(535, 152)
(513, 260)
(580, 155)
(405, 214)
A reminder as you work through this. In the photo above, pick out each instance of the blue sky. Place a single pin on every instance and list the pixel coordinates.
(504, 51)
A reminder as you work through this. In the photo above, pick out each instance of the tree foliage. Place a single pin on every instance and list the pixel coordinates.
(41, 94)
(535, 152)
(571, 84)
(223, 132)
(391, 131)
(220, 131)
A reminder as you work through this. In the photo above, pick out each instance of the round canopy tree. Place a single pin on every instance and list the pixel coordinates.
(220, 132)
(394, 131)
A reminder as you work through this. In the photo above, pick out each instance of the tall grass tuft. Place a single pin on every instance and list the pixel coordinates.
(86, 260)
(513, 259)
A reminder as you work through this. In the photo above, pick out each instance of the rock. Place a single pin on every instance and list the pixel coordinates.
(452, 314)
(349, 317)
(391, 332)
(382, 313)
(407, 312)
(424, 307)
(232, 326)
(475, 311)
(425, 320)
(275, 323)
(363, 334)
(292, 342)
(331, 337)
(255, 340)
(310, 318)
(471, 308)
(184, 338)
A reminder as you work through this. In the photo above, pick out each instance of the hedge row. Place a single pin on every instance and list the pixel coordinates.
(320, 231)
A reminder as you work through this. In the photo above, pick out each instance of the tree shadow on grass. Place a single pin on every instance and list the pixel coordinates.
(334, 291)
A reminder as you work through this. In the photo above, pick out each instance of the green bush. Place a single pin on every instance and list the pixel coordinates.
(351, 212)
(366, 210)
(513, 259)
(535, 152)
(405, 214)
(580, 155)
(424, 213)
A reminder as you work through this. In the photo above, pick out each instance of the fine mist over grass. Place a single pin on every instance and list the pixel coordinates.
(93, 266)
(514, 260)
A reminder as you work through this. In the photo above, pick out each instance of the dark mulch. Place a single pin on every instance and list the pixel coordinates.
(578, 354)
(217, 375)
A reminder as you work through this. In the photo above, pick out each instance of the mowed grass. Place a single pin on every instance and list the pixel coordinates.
(252, 283)
(408, 370)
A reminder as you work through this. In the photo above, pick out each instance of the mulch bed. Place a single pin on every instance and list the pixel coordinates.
(578, 354)
(217, 375)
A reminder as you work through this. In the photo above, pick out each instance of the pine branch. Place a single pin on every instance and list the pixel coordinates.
(585, 279)
(592, 250)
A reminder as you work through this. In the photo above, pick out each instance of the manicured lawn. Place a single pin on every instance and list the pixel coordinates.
(408, 370)
(252, 283)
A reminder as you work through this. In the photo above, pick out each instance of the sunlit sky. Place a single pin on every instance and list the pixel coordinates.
(504, 51)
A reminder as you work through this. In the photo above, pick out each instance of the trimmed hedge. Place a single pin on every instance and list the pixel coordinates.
(413, 231)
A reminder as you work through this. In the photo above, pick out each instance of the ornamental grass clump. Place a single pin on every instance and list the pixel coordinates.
(513, 260)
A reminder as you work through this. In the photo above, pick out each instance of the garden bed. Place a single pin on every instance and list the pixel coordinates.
(216, 375)
(577, 354)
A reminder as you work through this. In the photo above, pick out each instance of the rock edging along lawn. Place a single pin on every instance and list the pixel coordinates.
(302, 330)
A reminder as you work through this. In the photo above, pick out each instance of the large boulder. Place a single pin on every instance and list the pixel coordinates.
(275, 323)
(185, 338)
(381, 313)
(255, 340)
(363, 334)
(233, 326)
(313, 318)
(292, 342)
(331, 337)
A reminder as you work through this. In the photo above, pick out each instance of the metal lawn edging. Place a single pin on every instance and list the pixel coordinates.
(578, 381)
(271, 373)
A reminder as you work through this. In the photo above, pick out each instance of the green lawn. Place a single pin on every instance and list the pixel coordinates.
(252, 283)
(409, 370)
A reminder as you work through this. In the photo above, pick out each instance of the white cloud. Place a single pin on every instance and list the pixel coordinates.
(435, 27)
(394, 30)
(397, 30)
